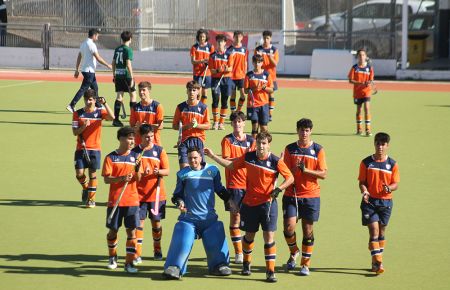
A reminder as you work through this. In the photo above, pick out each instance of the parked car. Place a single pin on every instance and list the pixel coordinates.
(372, 14)
(378, 43)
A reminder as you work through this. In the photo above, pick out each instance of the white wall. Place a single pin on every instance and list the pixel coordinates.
(170, 61)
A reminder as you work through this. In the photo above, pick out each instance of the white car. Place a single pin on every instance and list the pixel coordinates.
(368, 15)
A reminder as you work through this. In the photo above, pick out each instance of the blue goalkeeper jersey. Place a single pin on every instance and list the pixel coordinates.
(196, 188)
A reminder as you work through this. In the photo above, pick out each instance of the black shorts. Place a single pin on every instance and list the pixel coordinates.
(236, 195)
(124, 85)
(360, 101)
(304, 208)
(377, 210)
(146, 207)
(253, 216)
(129, 215)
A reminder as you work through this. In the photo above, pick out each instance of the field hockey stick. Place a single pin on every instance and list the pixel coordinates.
(204, 76)
(218, 84)
(252, 99)
(85, 152)
(271, 199)
(373, 87)
(116, 205)
(155, 209)
(180, 134)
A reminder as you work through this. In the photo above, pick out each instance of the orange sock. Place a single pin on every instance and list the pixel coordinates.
(307, 249)
(223, 115)
(358, 122)
(247, 248)
(233, 103)
(131, 250)
(291, 241)
(368, 117)
(240, 104)
(204, 99)
(215, 112)
(157, 233)
(270, 252)
(374, 247)
(236, 238)
(92, 189)
(112, 246)
(139, 240)
(82, 180)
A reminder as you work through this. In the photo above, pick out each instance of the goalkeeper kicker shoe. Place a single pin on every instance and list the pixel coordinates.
(172, 273)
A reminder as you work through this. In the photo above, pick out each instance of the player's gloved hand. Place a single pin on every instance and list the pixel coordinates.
(219, 69)
(101, 100)
(301, 166)
(386, 188)
(274, 194)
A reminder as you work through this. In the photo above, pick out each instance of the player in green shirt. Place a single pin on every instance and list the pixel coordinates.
(123, 75)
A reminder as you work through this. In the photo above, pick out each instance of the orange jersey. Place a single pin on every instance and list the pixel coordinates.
(239, 56)
(232, 148)
(267, 65)
(313, 156)
(116, 165)
(155, 157)
(261, 176)
(151, 114)
(361, 74)
(186, 113)
(375, 173)
(257, 97)
(220, 59)
(201, 52)
(93, 132)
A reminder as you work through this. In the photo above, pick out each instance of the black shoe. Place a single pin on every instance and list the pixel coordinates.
(246, 269)
(117, 123)
(270, 277)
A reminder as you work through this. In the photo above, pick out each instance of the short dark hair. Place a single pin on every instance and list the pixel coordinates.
(382, 138)
(93, 31)
(144, 129)
(238, 114)
(221, 37)
(238, 32)
(145, 84)
(257, 58)
(361, 50)
(89, 93)
(124, 132)
(267, 33)
(201, 31)
(194, 148)
(304, 123)
(126, 35)
(192, 84)
(264, 135)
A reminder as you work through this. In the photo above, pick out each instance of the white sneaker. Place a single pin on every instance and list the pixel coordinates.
(112, 263)
(137, 261)
(130, 269)
(304, 271)
(70, 108)
(215, 126)
(239, 258)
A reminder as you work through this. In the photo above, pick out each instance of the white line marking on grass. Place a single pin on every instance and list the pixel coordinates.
(22, 84)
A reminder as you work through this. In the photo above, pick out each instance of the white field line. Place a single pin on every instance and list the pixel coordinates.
(21, 84)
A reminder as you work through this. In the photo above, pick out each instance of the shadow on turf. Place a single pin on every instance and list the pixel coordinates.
(27, 202)
(33, 111)
(345, 271)
(35, 123)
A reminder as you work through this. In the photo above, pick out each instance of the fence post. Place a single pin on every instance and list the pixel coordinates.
(46, 46)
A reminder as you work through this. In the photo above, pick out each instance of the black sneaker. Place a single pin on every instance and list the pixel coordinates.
(246, 269)
(117, 123)
(270, 277)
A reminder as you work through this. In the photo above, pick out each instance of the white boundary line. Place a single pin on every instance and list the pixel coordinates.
(22, 84)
